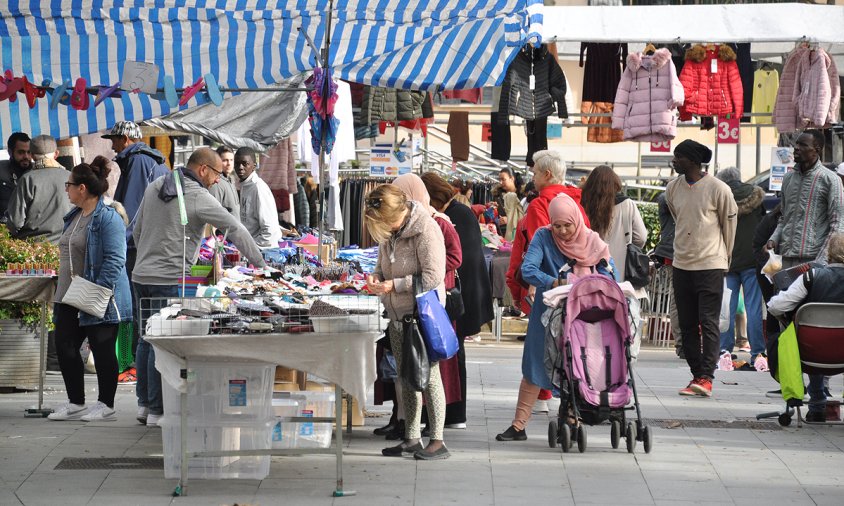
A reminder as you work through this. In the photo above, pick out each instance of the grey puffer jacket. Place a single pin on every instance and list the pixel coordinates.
(811, 211)
(382, 104)
(417, 248)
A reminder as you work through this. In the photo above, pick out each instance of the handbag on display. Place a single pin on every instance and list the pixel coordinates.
(637, 268)
(85, 295)
(454, 300)
(415, 367)
(435, 324)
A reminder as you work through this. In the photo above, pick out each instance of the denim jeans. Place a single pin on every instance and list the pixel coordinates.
(148, 388)
(745, 279)
(817, 396)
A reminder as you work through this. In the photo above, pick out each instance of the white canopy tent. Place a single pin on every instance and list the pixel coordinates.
(773, 28)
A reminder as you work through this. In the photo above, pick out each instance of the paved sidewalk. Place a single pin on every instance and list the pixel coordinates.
(762, 464)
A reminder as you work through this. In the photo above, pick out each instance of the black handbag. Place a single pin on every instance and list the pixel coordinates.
(454, 300)
(415, 367)
(637, 268)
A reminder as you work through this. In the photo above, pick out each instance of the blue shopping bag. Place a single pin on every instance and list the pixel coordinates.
(435, 326)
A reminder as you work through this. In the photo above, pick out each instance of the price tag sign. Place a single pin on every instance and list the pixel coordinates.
(138, 75)
(486, 132)
(728, 130)
(661, 147)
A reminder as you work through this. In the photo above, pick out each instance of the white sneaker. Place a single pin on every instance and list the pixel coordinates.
(100, 413)
(455, 426)
(143, 413)
(68, 411)
(540, 407)
(152, 420)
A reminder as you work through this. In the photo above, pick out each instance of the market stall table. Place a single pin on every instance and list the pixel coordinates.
(345, 359)
(33, 289)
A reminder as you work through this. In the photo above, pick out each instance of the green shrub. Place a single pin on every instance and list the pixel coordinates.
(650, 216)
(24, 251)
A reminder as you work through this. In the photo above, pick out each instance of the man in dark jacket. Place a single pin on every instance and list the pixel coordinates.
(742, 271)
(139, 165)
(20, 161)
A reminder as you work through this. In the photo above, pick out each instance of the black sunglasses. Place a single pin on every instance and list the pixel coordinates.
(68, 185)
(374, 202)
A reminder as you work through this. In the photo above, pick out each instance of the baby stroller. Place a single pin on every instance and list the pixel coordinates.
(594, 367)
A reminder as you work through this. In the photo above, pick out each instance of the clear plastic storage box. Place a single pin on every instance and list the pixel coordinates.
(218, 391)
(217, 436)
(284, 434)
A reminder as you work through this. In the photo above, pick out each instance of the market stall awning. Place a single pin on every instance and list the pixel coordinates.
(773, 28)
(248, 44)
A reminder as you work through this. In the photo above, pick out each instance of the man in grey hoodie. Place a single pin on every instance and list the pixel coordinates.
(158, 235)
(39, 202)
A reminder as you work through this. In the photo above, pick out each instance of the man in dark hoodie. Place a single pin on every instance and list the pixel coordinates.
(742, 271)
(20, 161)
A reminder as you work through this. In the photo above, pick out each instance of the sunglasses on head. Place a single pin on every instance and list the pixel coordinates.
(374, 202)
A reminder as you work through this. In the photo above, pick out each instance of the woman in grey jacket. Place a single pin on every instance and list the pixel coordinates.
(410, 243)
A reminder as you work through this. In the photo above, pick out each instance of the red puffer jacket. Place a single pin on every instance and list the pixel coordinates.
(711, 82)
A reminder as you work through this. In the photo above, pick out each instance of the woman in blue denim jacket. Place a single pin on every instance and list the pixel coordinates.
(93, 245)
(557, 254)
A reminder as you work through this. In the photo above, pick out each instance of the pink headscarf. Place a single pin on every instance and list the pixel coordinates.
(585, 246)
(414, 188)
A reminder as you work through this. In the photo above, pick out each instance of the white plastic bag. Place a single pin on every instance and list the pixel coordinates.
(724, 321)
(773, 265)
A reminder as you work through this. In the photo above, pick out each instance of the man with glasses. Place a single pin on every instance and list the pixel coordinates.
(257, 205)
(224, 191)
(159, 234)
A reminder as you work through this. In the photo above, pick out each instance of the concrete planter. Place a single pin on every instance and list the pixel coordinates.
(19, 356)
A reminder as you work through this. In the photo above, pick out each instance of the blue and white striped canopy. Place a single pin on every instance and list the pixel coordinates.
(412, 44)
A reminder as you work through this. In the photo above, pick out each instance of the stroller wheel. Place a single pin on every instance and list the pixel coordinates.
(646, 438)
(565, 437)
(553, 433)
(615, 433)
(631, 437)
(784, 419)
(581, 439)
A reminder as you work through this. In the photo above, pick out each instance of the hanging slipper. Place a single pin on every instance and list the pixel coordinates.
(60, 93)
(103, 92)
(79, 98)
(2, 86)
(170, 92)
(213, 90)
(13, 86)
(191, 90)
(32, 93)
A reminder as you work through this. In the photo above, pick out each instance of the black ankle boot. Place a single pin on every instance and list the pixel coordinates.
(397, 432)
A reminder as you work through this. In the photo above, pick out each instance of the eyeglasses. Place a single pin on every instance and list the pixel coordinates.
(374, 203)
(68, 185)
(215, 171)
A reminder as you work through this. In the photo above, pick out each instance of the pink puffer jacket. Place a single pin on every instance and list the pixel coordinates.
(647, 98)
(809, 95)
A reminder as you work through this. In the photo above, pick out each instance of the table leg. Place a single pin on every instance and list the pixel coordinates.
(182, 487)
(338, 435)
(40, 411)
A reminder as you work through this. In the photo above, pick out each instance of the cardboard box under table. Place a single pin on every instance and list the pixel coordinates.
(347, 360)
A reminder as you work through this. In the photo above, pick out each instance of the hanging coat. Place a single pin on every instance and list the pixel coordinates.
(711, 82)
(647, 98)
(549, 90)
(817, 91)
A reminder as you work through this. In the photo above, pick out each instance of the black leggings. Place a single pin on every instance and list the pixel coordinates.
(101, 338)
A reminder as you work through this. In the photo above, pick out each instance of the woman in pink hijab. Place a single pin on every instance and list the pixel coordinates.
(558, 254)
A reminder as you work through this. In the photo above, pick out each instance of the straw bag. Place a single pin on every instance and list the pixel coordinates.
(84, 295)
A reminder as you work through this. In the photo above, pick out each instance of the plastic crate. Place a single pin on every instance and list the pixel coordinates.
(220, 391)
(217, 436)
(284, 434)
(314, 404)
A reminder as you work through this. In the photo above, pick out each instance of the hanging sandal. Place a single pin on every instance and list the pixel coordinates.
(13, 86)
(32, 93)
(213, 90)
(191, 90)
(79, 98)
(60, 94)
(103, 92)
